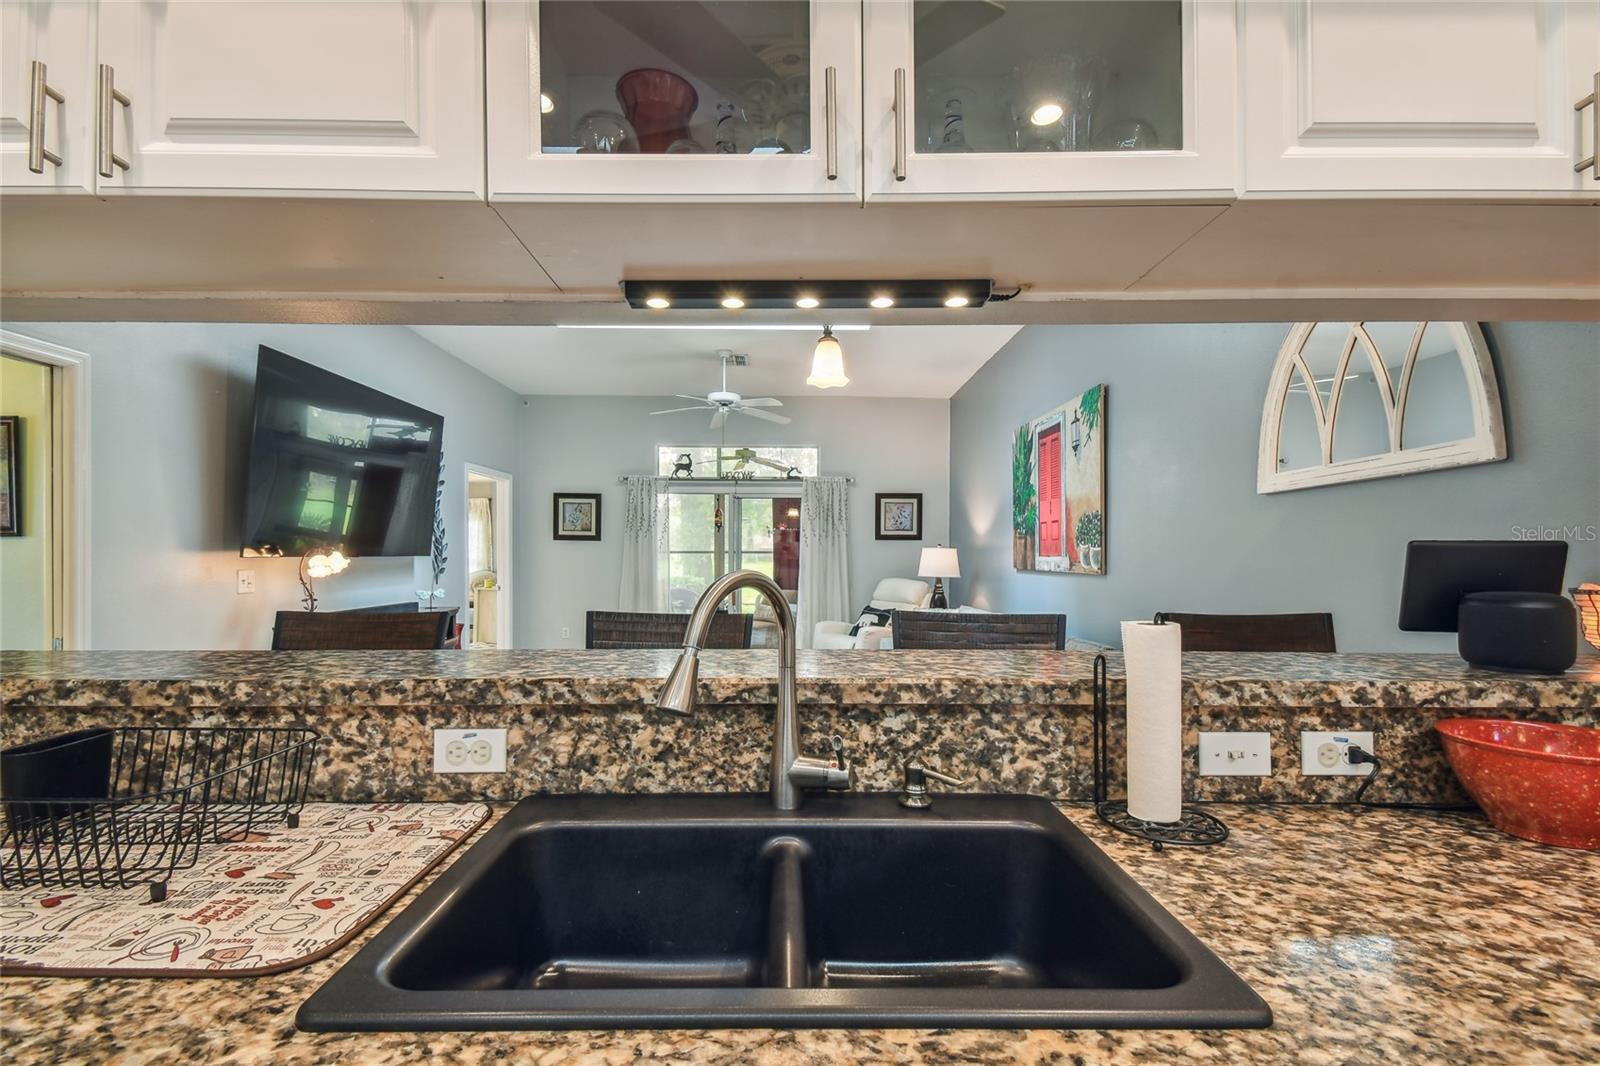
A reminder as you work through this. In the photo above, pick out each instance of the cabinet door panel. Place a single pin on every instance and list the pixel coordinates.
(328, 98)
(674, 100)
(1403, 96)
(1050, 100)
(61, 36)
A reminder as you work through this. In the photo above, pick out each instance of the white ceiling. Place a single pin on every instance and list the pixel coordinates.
(920, 361)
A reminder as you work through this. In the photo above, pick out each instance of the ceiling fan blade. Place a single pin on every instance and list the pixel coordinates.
(681, 396)
(780, 419)
(762, 401)
(676, 410)
(719, 417)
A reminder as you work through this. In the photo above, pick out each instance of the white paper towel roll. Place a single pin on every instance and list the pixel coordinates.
(1153, 658)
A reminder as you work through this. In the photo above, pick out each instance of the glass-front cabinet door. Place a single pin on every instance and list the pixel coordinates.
(1049, 99)
(674, 99)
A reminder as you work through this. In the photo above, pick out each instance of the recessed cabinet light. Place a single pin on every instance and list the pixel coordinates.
(659, 303)
(808, 302)
(882, 302)
(956, 300)
(732, 303)
(1046, 114)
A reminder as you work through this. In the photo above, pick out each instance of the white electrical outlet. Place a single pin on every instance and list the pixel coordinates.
(247, 582)
(566, 632)
(469, 751)
(1236, 754)
(1328, 754)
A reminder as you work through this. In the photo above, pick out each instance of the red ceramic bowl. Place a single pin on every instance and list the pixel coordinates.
(1534, 780)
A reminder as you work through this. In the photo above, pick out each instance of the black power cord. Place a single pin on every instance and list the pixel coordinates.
(1356, 755)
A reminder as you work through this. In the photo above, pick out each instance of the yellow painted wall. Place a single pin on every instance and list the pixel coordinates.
(25, 560)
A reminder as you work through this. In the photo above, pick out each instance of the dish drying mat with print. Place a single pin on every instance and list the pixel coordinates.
(278, 899)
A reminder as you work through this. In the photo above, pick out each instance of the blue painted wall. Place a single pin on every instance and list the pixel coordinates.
(1187, 530)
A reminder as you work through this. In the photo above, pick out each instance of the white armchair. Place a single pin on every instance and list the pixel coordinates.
(892, 593)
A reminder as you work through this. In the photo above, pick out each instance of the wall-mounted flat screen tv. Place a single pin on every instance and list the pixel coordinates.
(336, 464)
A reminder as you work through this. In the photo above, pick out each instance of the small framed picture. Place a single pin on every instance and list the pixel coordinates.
(577, 516)
(10, 476)
(899, 515)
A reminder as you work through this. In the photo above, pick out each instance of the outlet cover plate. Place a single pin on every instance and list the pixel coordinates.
(469, 751)
(1322, 754)
(1235, 754)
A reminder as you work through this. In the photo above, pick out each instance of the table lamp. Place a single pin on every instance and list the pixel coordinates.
(317, 563)
(939, 563)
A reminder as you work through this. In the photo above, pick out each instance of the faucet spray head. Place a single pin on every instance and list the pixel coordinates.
(678, 692)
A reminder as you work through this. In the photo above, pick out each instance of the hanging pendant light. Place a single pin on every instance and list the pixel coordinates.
(827, 363)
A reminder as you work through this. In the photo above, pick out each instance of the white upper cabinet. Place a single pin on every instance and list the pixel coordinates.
(46, 95)
(1050, 99)
(1409, 97)
(674, 99)
(242, 96)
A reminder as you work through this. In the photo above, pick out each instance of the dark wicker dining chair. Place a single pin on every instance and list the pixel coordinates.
(1255, 632)
(362, 630)
(641, 629)
(977, 631)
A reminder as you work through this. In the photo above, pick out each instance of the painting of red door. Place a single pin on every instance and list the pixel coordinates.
(1050, 491)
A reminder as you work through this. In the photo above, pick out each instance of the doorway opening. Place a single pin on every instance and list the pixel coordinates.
(43, 495)
(488, 558)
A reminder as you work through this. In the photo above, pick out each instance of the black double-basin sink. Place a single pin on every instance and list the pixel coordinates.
(692, 911)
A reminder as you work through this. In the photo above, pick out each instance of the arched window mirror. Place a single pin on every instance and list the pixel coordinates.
(1349, 401)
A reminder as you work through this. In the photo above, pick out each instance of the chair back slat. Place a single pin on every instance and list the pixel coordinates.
(1255, 632)
(642, 629)
(972, 630)
(362, 630)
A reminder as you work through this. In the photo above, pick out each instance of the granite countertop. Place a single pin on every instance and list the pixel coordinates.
(1375, 936)
(259, 678)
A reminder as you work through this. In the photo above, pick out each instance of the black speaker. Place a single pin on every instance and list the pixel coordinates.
(1529, 632)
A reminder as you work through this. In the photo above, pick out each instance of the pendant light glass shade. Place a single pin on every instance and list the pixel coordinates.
(827, 363)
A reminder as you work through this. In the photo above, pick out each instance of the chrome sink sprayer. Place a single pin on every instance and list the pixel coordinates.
(791, 771)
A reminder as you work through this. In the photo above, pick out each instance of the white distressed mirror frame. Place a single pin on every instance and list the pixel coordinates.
(1486, 445)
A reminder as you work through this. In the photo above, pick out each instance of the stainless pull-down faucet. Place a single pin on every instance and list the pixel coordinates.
(791, 771)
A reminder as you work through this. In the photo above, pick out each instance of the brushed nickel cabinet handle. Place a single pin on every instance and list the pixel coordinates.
(38, 91)
(1592, 100)
(899, 123)
(830, 78)
(109, 99)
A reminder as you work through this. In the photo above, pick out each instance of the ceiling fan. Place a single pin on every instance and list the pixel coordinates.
(721, 402)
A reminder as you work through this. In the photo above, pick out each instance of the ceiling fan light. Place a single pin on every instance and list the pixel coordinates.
(808, 302)
(827, 363)
(659, 303)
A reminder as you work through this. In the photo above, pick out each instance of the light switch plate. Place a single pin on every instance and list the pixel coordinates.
(1326, 754)
(469, 751)
(1235, 754)
(246, 582)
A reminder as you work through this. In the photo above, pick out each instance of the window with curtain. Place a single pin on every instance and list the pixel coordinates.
(480, 534)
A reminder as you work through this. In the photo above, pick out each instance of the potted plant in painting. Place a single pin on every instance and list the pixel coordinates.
(1090, 532)
(1024, 500)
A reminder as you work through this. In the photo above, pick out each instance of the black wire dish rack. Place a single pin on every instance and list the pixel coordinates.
(113, 807)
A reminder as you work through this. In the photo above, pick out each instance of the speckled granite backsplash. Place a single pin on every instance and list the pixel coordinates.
(581, 721)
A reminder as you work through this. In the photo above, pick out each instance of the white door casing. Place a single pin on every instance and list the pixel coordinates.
(1417, 97)
(343, 98)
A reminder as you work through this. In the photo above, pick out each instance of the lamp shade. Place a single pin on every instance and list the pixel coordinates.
(827, 363)
(939, 562)
(1587, 597)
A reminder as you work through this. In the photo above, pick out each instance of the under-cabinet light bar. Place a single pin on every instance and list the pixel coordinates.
(881, 293)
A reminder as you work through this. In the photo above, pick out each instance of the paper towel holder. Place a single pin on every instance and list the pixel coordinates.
(1193, 829)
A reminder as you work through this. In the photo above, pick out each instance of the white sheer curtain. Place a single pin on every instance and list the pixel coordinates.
(480, 535)
(824, 553)
(644, 544)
